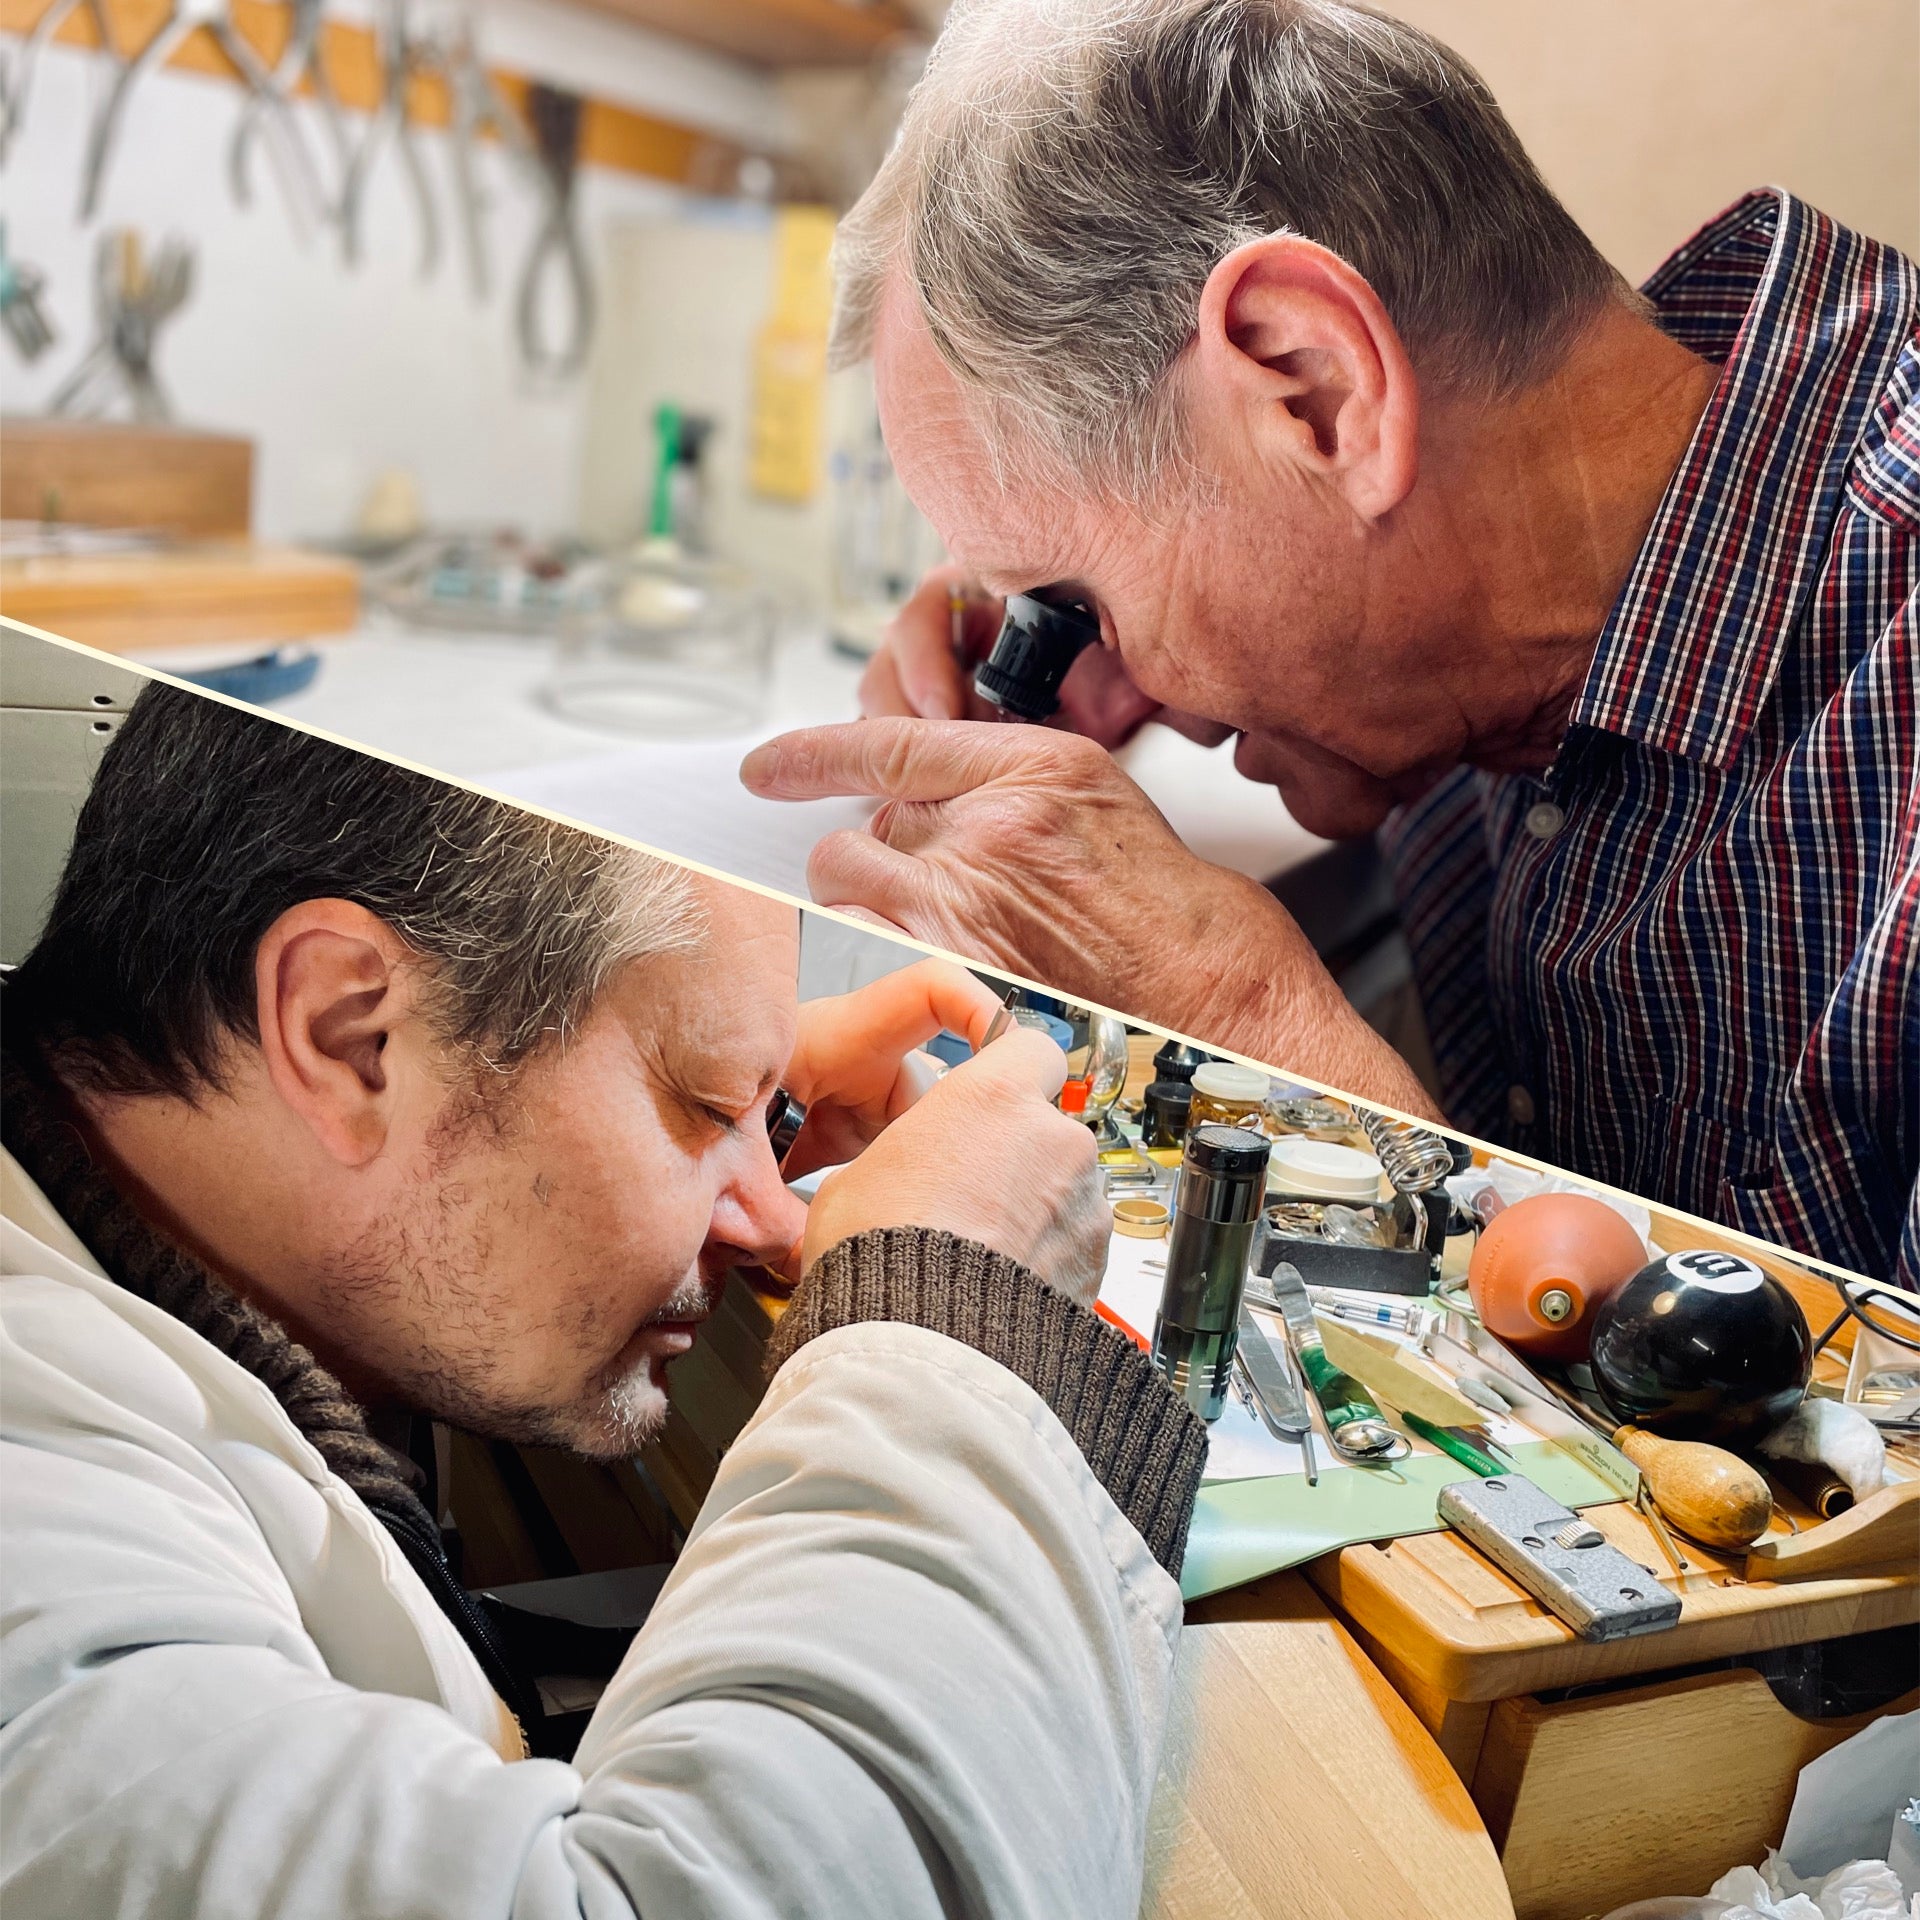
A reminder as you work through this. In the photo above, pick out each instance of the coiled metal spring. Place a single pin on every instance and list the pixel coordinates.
(1416, 1159)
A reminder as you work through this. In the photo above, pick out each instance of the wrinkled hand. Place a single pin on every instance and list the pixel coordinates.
(1030, 849)
(987, 1156)
(1018, 846)
(918, 674)
(849, 1051)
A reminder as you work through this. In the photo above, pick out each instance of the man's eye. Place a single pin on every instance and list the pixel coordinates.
(725, 1121)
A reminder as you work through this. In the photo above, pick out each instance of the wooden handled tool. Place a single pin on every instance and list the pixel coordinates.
(1707, 1493)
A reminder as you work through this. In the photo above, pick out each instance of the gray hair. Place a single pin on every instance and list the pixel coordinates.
(205, 823)
(1069, 172)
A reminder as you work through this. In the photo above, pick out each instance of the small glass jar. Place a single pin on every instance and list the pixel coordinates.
(1163, 1113)
(1227, 1095)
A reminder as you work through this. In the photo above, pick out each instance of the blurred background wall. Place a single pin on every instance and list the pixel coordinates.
(1646, 115)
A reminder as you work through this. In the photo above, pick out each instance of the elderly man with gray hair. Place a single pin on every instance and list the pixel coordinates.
(1248, 326)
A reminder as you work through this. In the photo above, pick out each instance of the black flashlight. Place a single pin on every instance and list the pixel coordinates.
(1223, 1185)
(1039, 640)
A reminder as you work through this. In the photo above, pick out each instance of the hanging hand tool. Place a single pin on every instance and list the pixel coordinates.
(1355, 1425)
(400, 57)
(15, 86)
(478, 109)
(133, 297)
(184, 18)
(555, 119)
(21, 313)
(301, 60)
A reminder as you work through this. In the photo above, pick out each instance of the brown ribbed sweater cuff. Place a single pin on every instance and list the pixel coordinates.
(1144, 1445)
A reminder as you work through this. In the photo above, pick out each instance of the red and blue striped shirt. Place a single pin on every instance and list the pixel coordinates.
(1686, 958)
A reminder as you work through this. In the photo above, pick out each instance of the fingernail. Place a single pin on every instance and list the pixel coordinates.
(761, 766)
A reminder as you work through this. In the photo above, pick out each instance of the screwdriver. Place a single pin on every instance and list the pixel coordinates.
(1707, 1493)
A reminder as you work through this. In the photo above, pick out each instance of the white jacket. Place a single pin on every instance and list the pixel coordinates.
(913, 1660)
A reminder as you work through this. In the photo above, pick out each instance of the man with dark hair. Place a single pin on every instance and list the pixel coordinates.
(333, 1092)
(1249, 326)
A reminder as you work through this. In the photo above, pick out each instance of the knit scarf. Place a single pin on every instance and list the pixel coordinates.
(40, 1133)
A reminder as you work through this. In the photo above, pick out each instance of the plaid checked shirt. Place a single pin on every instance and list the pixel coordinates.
(1686, 958)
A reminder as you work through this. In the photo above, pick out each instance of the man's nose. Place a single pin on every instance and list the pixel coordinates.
(758, 1217)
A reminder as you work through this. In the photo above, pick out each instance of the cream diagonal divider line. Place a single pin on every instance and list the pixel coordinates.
(1716, 1234)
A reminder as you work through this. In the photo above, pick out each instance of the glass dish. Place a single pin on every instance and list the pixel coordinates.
(685, 651)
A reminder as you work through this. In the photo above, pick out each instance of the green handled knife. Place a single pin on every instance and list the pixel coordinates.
(1355, 1424)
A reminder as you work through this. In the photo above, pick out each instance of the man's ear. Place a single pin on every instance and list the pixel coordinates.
(1299, 346)
(331, 987)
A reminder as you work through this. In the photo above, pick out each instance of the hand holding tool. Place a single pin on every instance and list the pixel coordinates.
(1001, 1021)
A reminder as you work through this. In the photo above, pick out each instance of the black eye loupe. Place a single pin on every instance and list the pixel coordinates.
(1038, 641)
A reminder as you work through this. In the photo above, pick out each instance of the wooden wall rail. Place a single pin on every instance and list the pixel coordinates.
(610, 136)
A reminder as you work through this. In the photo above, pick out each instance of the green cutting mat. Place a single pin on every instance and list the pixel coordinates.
(1245, 1528)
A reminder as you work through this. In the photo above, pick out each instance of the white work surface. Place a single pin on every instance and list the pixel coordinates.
(466, 706)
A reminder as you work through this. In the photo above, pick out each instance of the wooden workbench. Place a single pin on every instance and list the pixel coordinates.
(1386, 1732)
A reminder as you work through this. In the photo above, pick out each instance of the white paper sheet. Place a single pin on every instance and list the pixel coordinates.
(685, 798)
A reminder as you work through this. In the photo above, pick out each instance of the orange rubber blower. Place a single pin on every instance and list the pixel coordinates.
(1542, 1267)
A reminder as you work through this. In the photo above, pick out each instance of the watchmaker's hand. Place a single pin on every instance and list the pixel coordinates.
(985, 1155)
(920, 674)
(849, 1054)
(1028, 848)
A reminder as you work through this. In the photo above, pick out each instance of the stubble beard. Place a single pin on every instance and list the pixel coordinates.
(620, 1410)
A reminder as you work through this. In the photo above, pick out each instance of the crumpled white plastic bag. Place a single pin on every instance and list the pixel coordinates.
(1860, 1890)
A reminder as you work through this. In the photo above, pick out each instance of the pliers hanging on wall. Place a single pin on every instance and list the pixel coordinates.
(555, 119)
(302, 58)
(400, 57)
(184, 18)
(17, 84)
(477, 109)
